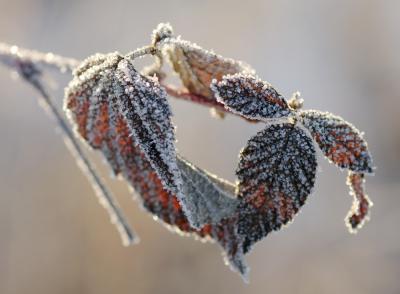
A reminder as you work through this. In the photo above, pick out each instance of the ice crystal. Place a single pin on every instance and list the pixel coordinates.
(276, 173)
(249, 96)
(340, 141)
(361, 203)
(197, 67)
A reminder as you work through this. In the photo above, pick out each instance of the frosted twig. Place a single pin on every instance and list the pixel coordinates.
(140, 52)
(28, 70)
(10, 54)
(183, 94)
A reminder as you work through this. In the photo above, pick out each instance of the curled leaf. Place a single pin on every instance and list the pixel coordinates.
(197, 67)
(144, 105)
(106, 86)
(250, 97)
(210, 198)
(276, 173)
(340, 141)
(361, 203)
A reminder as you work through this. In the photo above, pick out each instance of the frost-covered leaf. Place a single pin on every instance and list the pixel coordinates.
(276, 173)
(250, 97)
(109, 81)
(82, 92)
(340, 141)
(211, 199)
(197, 67)
(144, 105)
(359, 213)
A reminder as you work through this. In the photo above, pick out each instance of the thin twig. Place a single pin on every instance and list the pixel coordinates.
(183, 94)
(10, 54)
(141, 52)
(28, 70)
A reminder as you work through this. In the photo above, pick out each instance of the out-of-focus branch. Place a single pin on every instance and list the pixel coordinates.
(24, 62)
(10, 54)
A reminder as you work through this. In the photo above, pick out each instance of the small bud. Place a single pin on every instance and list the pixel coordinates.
(296, 102)
(163, 31)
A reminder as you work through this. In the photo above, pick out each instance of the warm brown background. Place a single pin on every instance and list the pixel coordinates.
(342, 55)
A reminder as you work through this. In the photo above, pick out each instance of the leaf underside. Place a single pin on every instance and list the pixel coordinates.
(276, 173)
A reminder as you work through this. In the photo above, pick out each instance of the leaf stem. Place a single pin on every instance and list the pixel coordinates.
(140, 52)
(183, 94)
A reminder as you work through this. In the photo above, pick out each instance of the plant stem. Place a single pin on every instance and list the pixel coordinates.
(201, 100)
(140, 52)
(185, 95)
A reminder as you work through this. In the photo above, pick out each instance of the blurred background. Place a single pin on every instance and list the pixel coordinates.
(342, 55)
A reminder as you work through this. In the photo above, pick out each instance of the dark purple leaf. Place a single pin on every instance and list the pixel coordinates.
(250, 97)
(276, 174)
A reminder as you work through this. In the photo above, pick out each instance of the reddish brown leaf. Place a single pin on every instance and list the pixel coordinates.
(340, 141)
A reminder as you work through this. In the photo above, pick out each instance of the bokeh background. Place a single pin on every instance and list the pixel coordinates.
(342, 55)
